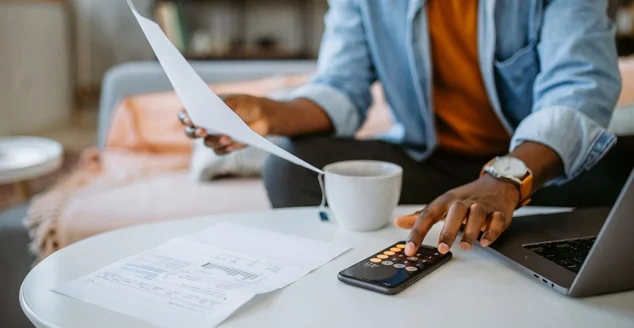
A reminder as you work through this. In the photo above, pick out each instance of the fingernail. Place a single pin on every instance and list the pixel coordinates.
(199, 133)
(443, 248)
(225, 141)
(466, 246)
(485, 242)
(410, 248)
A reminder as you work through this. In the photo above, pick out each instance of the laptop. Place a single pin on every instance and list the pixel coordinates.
(581, 253)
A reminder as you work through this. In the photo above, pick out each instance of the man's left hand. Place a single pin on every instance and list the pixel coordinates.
(485, 205)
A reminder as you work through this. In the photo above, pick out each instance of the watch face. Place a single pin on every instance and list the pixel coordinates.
(509, 166)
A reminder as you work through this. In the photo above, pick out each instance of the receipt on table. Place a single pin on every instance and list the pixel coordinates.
(204, 107)
(199, 280)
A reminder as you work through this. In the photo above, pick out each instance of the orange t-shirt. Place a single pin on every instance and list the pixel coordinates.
(465, 120)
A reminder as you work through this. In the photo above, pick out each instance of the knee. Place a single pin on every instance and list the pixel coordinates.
(275, 167)
(287, 184)
(278, 175)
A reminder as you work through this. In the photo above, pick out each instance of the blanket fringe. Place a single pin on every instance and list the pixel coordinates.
(46, 208)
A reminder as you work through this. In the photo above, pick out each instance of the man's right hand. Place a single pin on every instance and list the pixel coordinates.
(266, 117)
(252, 110)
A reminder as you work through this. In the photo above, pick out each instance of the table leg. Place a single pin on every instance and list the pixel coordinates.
(23, 190)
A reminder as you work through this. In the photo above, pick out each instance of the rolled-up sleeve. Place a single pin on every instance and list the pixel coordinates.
(578, 86)
(341, 85)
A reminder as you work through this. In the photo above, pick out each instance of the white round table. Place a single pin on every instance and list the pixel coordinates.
(27, 158)
(472, 290)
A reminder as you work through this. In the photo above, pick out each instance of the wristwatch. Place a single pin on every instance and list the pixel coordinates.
(512, 169)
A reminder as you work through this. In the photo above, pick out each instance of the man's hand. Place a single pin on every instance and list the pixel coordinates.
(266, 117)
(485, 205)
(251, 110)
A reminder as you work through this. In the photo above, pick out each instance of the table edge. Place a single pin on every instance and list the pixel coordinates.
(29, 313)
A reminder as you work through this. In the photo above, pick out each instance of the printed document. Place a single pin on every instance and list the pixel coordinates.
(204, 107)
(201, 279)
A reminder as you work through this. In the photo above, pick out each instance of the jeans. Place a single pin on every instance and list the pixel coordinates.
(289, 185)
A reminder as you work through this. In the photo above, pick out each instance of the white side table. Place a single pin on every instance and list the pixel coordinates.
(27, 158)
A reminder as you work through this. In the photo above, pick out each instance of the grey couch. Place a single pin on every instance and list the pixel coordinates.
(143, 77)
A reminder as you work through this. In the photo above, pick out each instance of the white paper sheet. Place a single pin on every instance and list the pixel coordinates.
(201, 279)
(204, 107)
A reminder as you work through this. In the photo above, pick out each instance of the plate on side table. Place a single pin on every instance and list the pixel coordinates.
(27, 158)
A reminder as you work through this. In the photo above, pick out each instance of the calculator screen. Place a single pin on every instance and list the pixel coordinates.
(390, 267)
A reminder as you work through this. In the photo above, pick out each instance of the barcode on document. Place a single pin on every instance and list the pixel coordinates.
(232, 271)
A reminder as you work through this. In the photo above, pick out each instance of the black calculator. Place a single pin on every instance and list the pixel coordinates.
(390, 271)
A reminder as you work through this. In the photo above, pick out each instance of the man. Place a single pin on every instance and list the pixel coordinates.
(466, 81)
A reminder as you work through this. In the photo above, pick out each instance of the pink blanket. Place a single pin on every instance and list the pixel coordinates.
(145, 141)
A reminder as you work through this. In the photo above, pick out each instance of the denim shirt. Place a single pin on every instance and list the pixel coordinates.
(550, 69)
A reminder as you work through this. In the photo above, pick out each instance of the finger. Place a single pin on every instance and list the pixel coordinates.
(235, 146)
(184, 118)
(218, 141)
(475, 221)
(221, 144)
(497, 225)
(428, 217)
(194, 132)
(456, 214)
(200, 133)
(213, 142)
(407, 221)
(222, 151)
(190, 132)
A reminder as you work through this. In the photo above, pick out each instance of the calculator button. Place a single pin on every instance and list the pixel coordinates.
(411, 269)
(382, 256)
(430, 258)
(375, 260)
(400, 255)
(395, 249)
(401, 246)
(413, 258)
(387, 262)
(399, 266)
(389, 253)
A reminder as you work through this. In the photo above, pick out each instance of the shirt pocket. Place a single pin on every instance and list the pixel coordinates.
(515, 79)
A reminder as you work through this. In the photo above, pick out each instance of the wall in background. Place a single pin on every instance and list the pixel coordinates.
(107, 32)
(35, 69)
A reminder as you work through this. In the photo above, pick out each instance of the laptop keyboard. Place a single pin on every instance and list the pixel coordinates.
(568, 253)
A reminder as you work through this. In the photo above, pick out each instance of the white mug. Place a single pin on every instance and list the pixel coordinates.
(362, 195)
